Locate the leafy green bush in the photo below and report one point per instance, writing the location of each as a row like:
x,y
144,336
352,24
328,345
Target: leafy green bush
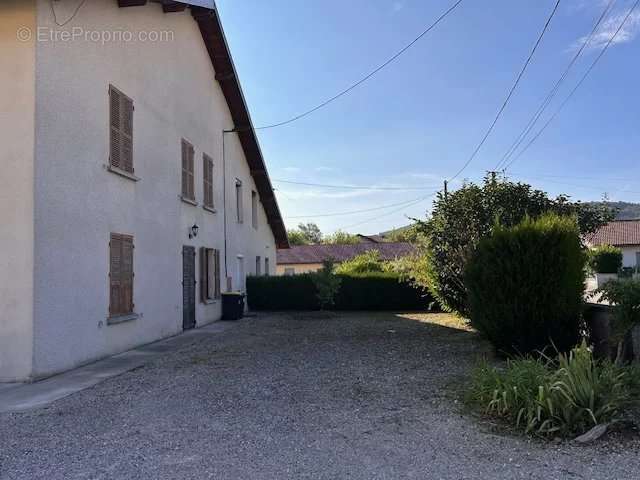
x,y
525,285
462,218
567,396
368,261
327,285
605,259
370,291
624,295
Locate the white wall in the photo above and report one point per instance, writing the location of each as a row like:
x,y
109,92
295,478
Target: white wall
x,y
629,258
17,78
79,202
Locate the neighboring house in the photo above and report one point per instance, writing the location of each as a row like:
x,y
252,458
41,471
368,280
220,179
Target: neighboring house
x,y
125,210
624,234
371,238
309,258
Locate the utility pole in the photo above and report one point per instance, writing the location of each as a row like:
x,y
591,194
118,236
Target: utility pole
x,y
446,189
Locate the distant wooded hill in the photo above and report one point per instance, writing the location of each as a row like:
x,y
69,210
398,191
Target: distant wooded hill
x,y
626,210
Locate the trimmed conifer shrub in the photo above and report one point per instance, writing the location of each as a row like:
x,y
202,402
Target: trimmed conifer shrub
x,y
526,283
605,259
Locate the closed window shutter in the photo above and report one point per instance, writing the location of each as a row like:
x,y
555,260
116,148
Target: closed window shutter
x,y
207,176
121,130
115,254
203,275
127,273
187,170
217,274
192,193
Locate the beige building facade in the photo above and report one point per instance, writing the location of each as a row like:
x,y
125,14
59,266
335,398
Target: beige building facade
x,y
115,235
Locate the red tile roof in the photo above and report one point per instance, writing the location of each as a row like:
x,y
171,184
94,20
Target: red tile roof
x,y
617,233
340,253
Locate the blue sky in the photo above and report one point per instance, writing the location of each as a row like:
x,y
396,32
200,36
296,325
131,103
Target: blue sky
x,y
416,122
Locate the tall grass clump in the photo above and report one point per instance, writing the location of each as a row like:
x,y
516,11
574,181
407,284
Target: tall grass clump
x,y
565,396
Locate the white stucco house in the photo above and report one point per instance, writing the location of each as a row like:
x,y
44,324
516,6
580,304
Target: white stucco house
x,y
624,234
125,208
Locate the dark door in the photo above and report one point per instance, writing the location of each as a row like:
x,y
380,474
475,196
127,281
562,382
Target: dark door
x,y
188,287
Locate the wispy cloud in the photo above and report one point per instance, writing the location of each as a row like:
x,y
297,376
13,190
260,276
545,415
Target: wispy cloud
x,y
608,29
397,6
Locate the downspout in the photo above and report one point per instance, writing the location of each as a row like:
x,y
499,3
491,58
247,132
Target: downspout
x,y
224,201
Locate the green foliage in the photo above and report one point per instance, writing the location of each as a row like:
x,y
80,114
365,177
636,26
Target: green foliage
x,y
469,214
526,283
327,284
380,291
605,259
624,295
410,234
277,293
567,396
341,238
368,261
370,291
306,234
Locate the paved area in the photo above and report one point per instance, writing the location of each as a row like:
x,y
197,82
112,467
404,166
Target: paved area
x,y
316,396
17,397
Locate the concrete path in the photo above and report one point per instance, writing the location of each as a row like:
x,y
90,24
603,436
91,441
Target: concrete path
x,y
19,397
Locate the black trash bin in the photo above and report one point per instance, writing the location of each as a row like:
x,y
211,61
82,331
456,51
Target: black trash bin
x,y
232,305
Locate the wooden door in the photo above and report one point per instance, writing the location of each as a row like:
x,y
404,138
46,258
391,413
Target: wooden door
x,y
188,287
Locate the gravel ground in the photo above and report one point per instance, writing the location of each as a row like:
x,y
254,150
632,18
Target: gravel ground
x,y
332,396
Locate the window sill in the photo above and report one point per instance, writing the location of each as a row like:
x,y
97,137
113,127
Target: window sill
x,y
122,173
190,201
210,301
209,209
116,319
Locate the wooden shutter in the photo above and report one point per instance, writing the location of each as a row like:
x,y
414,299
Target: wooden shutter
x,y
188,189
115,254
207,180
203,275
120,274
216,278
121,130
254,209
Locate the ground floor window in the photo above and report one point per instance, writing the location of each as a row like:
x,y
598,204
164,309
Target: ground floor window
x,y
258,266
120,275
209,274
266,266
289,271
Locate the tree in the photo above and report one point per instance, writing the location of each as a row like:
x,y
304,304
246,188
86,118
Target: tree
x,y
327,284
305,234
311,232
341,238
469,214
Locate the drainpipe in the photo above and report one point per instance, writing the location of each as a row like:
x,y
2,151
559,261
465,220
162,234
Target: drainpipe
x,y
224,202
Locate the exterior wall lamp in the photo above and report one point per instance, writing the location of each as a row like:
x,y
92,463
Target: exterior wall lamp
x,y
194,231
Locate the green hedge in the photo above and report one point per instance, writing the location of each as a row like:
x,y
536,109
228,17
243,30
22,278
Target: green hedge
x,y
605,259
370,291
526,285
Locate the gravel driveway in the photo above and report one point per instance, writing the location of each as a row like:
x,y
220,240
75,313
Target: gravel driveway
x,y
356,396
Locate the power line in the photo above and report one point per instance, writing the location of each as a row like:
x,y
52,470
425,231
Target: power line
x,y
411,204
570,184
352,212
511,91
556,88
348,187
584,77
366,77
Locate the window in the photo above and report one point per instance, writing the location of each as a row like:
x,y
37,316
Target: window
x,y
266,266
254,209
240,279
188,189
258,266
209,274
638,260
239,206
120,131
120,275
289,271
207,181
